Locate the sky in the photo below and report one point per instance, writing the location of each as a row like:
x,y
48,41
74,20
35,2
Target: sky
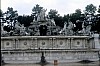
x,y
62,6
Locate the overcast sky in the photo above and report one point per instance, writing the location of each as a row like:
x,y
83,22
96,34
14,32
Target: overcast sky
x,y
62,6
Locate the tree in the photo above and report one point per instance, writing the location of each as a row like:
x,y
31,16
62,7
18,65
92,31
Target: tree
x,y
36,9
99,9
89,15
90,9
1,13
66,18
77,19
26,20
59,21
78,11
53,13
11,17
76,16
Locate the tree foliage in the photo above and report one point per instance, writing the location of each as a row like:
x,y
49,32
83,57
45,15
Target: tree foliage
x,y
59,21
35,10
66,18
76,16
26,20
99,9
10,18
7,28
90,9
1,13
53,13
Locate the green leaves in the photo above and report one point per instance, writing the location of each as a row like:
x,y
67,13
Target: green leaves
x,y
53,13
99,9
1,13
90,9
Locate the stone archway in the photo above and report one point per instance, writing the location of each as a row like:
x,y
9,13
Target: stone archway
x,y
43,30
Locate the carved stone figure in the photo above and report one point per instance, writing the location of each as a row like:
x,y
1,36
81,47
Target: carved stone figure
x,y
70,27
64,29
2,30
67,29
41,15
88,28
52,20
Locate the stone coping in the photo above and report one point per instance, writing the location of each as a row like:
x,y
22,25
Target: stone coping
x,y
11,37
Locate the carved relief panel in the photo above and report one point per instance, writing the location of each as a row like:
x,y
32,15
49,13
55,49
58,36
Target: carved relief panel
x,y
43,43
8,44
24,44
77,44
61,43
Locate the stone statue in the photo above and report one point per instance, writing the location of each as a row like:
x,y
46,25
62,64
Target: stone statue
x,y
88,28
70,27
41,15
52,20
22,30
64,29
83,31
2,30
17,28
67,29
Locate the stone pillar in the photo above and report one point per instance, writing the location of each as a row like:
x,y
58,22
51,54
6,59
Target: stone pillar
x,y
32,45
71,43
36,44
43,60
86,43
83,43
2,44
54,43
17,43
96,41
50,43
14,44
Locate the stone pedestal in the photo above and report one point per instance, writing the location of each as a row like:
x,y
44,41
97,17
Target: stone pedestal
x,y
43,61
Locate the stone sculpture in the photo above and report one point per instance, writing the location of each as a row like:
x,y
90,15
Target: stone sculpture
x,y
41,15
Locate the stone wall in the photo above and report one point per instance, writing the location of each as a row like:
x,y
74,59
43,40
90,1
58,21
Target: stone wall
x,y
28,49
46,42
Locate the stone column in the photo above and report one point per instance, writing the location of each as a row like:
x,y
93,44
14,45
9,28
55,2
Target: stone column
x,y
32,45
54,43
71,43
50,43
36,44
96,41
83,43
17,43
2,44
86,43
14,44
